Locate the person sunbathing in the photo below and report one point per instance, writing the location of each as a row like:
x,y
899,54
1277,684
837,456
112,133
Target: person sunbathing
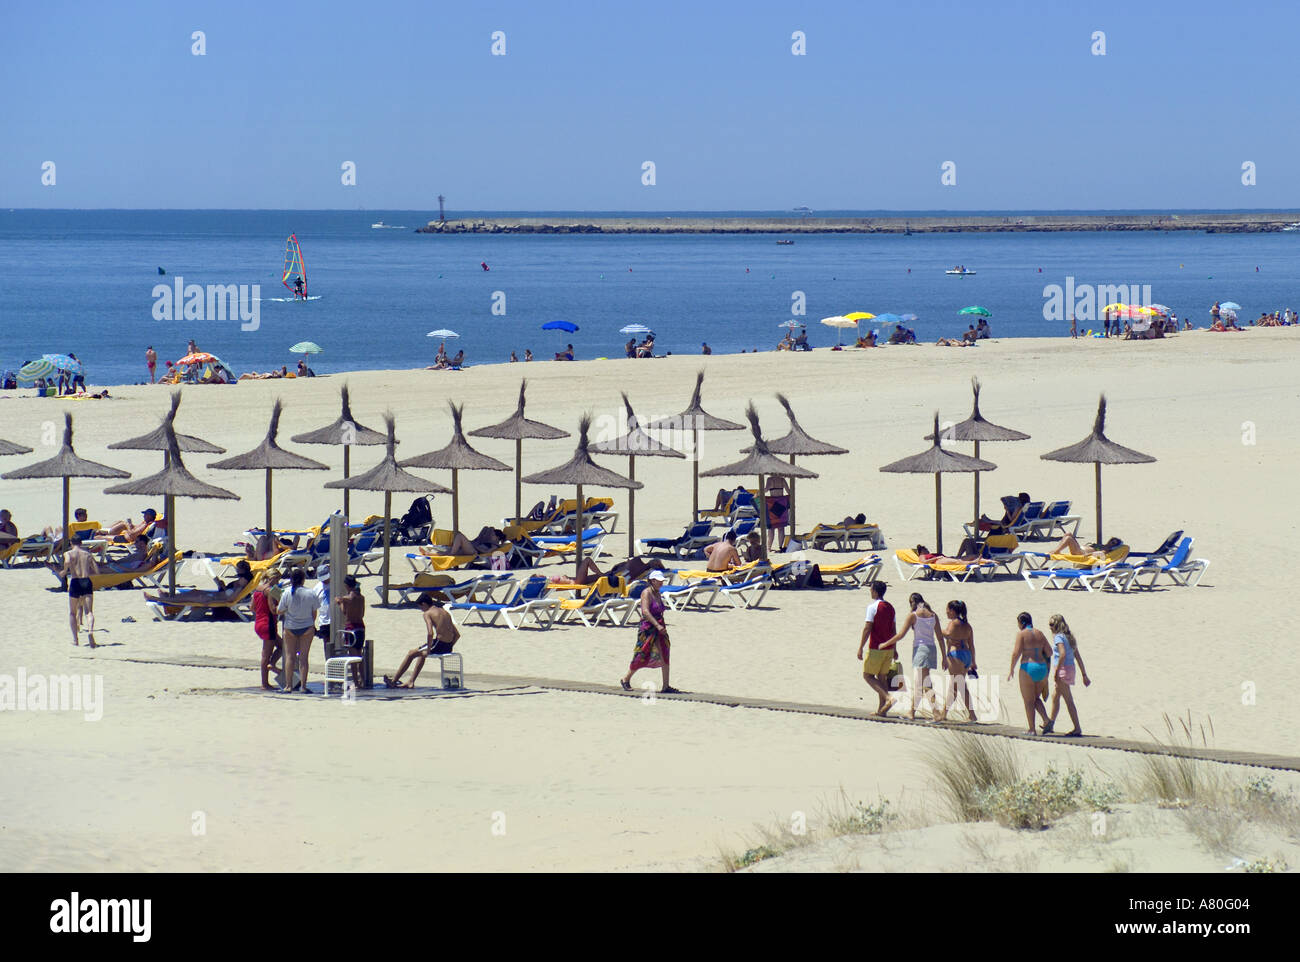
x,y
127,530
488,539
854,521
965,554
225,591
1015,506
1070,545
630,570
139,559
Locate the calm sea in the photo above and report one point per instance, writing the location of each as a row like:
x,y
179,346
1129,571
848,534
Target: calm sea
x,y
83,282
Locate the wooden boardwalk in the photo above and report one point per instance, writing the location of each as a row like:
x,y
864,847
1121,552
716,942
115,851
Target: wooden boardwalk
x,y
487,684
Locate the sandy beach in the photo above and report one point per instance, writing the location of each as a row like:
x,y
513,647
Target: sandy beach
x,y
194,768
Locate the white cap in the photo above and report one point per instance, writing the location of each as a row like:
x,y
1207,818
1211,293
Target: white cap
x,y
323,573
657,575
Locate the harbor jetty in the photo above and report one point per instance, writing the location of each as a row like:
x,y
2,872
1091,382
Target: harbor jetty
x,y
1231,222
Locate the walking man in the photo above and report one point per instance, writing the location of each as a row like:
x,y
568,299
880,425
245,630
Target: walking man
x,y
876,635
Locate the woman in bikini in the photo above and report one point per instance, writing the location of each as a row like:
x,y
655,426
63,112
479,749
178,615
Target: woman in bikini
x,y
1065,655
959,658
1034,654
923,622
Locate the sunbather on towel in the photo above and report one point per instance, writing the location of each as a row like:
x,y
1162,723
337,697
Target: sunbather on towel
x,y
226,590
138,560
965,555
631,569
1070,545
441,635
126,530
488,538
722,554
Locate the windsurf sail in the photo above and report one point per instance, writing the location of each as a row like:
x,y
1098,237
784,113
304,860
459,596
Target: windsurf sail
x,y
294,267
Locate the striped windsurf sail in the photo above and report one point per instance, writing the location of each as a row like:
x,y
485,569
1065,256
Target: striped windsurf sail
x,y
294,267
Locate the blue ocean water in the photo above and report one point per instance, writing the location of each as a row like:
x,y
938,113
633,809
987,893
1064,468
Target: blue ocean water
x,y
83,281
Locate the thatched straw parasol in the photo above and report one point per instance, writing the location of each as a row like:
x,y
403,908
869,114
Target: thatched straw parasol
x,y
695,419
65,465
171,482
762,462
797,442
634,442
935,460
387,477
1098,449
269,456
458,456
345,431
580,470
976,429
156,440
518,428
8,447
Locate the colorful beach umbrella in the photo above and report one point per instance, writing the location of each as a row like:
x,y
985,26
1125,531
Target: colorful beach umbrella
x,y
567,326
860,316
200,357
36,369
791,324
976,309
65,362
306,347
1226,306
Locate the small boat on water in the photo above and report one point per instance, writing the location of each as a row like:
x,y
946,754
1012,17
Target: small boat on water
x,y
1291,227
960,272
378,225
785,242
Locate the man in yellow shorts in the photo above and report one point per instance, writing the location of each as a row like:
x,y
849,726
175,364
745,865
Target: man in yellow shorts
x,y
876,639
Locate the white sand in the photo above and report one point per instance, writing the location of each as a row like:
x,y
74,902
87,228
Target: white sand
x,y
594,782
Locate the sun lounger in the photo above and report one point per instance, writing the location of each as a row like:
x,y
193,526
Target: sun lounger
x,y
910,565
1055,521
695,536
1161,553
35,548
734,575
741,504
177,608
747,594
698,594
618,610
561,545
150,577
589,608
436,584
530,600
1181,568
1116,576
862,571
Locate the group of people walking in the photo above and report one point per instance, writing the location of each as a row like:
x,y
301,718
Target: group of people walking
x,y
952,646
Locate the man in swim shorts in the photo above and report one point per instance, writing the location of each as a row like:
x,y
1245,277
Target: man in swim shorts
x,y
78,566
876,633
441,635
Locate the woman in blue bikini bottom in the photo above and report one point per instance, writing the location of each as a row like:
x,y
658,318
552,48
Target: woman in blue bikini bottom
x,y
1033,653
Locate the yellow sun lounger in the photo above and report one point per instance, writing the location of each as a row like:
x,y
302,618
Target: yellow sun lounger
x,y
176,608
1087,561
149,577
911,565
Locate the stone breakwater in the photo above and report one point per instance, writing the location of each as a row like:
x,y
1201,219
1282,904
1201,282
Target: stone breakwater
x,y
1223,223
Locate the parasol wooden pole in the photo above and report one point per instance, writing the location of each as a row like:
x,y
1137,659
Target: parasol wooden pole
x,y
347,473
1097,466
388,511
695,470
519,460
578,529
793,529
938,513
455,501
762,514
976,515
169,509
631,507
65,542
268,504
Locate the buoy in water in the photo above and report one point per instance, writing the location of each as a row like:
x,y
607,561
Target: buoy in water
x,y
161,271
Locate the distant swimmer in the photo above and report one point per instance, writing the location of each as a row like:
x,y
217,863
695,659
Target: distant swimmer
x,y
161,271
483,264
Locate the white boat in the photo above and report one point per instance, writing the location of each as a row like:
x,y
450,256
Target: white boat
x,y
961,273
380,224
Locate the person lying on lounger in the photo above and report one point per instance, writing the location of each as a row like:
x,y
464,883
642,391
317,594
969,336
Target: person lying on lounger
x,y
139,559
1070,545
1015,506
488,539
968,552
630,570
126,530
226,591
441,635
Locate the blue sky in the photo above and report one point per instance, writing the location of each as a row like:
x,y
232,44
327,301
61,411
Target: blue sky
x,y
709,91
